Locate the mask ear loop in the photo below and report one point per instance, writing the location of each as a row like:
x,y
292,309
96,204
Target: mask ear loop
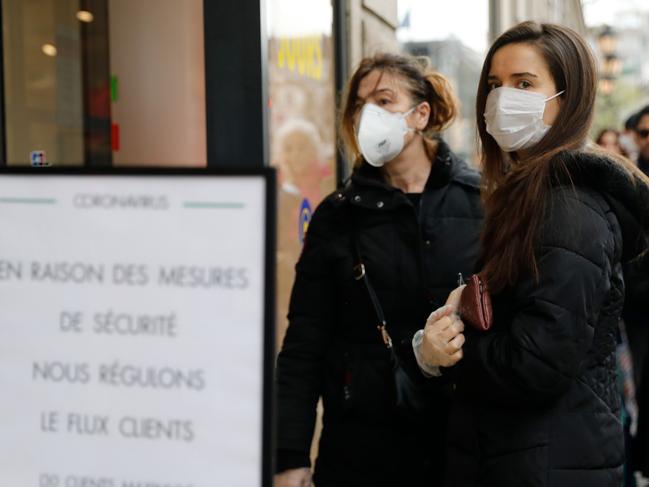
x,y
357,125
405,114
554,96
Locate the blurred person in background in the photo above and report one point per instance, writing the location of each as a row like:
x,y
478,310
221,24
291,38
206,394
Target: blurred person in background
x,y
412,209
631,352
609,139
637,316
637,322
642,139
627,137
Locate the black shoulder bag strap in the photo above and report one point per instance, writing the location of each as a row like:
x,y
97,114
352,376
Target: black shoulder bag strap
x,y
412,399
360,274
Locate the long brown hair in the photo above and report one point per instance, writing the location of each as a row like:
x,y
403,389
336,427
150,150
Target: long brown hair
x,y
423,84
515,190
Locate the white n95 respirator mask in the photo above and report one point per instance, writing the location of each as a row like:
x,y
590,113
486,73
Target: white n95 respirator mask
x,y
514,117
381,134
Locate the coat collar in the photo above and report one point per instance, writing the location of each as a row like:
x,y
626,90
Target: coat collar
x,y
627,194
643,164
442,171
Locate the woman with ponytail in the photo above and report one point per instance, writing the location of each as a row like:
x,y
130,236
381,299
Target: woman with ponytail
x,y
537,402
411,216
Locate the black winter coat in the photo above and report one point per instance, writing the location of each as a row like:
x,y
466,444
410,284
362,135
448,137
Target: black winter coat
x,y
636,318
537,401
332,347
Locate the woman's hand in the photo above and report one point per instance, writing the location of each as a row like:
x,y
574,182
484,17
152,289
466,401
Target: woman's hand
x,y
453,299
443,335
296,477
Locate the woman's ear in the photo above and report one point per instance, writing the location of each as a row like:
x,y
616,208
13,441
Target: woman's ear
x,y
421,115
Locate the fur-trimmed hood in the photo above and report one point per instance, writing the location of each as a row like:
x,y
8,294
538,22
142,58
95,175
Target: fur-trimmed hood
x,y
627,194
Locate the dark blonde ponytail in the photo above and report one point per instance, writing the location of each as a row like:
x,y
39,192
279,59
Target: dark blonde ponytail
x,y
442,101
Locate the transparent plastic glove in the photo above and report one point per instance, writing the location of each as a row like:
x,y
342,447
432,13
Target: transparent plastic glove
x,y
440,343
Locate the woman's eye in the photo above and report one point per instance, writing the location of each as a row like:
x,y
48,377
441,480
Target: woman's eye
x,y
384,101
492,86
524,84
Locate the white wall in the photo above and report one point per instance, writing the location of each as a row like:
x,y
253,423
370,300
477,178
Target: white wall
x,y
157,53
511,12
372,26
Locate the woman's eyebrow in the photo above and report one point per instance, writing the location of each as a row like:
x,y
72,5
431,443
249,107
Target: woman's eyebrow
x,y
377,92
523,75
387,91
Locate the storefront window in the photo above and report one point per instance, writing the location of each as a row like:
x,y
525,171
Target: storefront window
x,y
104,82
43,80
302,124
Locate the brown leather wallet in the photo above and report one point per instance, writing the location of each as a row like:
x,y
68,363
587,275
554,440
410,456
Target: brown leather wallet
x,y
475,304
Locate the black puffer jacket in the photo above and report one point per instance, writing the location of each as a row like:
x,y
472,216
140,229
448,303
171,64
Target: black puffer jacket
x,y
636,319
537,401
333,349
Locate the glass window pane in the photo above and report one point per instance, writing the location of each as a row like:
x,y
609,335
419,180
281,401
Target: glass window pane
x,y
301,124
43,85
105,82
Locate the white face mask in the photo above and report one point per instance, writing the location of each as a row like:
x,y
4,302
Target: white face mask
x,y
628,144
515,117
381,134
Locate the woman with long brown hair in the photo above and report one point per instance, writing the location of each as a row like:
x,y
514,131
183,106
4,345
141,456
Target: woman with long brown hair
x,y
537,401
407,222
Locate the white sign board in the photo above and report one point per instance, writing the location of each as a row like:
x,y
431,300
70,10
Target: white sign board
x,y
133,330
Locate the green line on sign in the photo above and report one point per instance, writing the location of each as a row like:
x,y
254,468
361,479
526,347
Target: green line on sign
x,y
29,201
213,205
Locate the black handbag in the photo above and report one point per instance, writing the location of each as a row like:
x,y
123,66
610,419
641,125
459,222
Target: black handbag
x,y
413,398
